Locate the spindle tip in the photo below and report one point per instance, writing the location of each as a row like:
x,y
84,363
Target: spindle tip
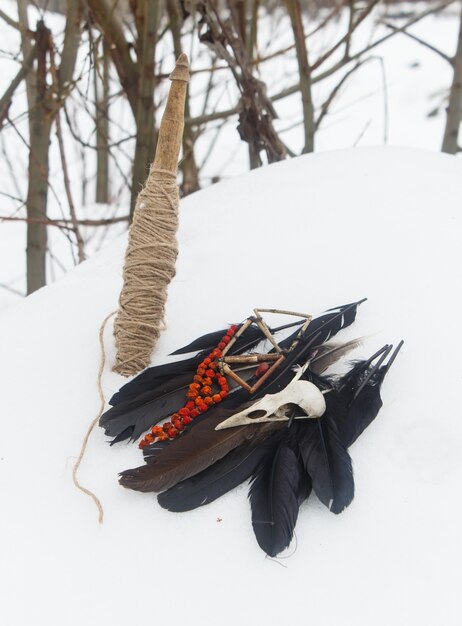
x,y
181,71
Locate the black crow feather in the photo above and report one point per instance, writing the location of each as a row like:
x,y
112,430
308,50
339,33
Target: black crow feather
x,y
148,409
328,463
189,455
278,486
216,480
205,342
132,418
152,377
319,330
250,337
355,400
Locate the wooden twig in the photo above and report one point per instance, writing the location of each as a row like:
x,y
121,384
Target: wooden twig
x,y
420,41
66,224
266,331
248,322
67,187
5,100
251,358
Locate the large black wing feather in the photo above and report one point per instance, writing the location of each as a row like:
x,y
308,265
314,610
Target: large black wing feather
x,y
190,454
213,482
278,486
328,463
355,399
148,409
151,378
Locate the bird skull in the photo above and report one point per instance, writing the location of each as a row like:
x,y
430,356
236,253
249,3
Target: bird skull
x,y
273,406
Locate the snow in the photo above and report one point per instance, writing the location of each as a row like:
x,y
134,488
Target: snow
x,y
308,234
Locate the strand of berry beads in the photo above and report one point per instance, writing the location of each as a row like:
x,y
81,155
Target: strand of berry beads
x,y
200,395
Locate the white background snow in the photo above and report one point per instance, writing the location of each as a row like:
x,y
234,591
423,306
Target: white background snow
x,y
306,234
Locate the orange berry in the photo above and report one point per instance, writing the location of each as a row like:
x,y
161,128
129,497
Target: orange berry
x,y
208,400
216,398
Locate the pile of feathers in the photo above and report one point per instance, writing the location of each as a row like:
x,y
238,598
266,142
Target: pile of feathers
x,y
286,456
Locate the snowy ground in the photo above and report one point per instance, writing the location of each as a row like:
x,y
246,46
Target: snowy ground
x,y
387,101
381,223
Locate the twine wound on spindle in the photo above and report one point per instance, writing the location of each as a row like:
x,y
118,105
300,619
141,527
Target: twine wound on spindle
x,y
152,248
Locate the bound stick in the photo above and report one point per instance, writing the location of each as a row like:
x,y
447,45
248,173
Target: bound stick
x,y
152,248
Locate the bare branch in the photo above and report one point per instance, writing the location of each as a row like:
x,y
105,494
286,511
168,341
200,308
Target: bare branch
x,y
67,186
5,100
16,25
420,41
217,115
65,224
118,47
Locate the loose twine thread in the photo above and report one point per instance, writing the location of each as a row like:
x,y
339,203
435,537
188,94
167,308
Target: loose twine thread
x,y
83,448
149,267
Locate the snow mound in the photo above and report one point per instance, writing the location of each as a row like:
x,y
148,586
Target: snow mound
x,y
306,234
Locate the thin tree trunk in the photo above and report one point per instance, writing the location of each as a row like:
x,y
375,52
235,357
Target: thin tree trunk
x,y
454,111
240,23
49,99
37,193
304,71
188,164
102,127
148,20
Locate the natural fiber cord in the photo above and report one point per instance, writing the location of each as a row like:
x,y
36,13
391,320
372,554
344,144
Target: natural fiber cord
x,y
149,267
83,448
